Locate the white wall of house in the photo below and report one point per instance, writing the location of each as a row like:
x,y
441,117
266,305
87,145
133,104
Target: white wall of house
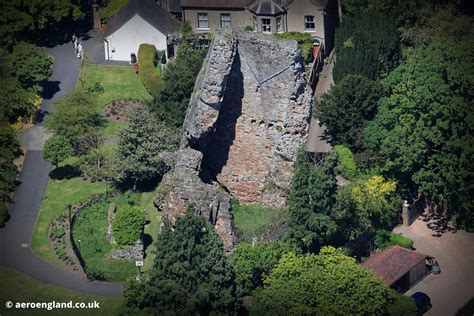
x,y
128,38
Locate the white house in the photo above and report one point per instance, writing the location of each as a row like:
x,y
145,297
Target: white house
x,y
140,21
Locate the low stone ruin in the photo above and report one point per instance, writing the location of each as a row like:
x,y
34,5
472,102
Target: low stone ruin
x,y
247,118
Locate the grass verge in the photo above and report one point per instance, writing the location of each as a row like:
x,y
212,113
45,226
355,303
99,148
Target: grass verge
x,y
17,287
58,195
119,82
255,220
152,228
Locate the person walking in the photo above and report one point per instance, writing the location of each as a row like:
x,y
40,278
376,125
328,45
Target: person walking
x,y
80,51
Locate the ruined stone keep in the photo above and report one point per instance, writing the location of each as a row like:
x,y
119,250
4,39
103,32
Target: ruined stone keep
x,y
247,118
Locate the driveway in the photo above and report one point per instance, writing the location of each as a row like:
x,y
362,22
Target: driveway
x,y
454,251
318,138
15,251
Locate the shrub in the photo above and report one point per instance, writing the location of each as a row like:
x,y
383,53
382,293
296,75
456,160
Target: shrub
x,y
128,225
396,239
147,61
346,165
4,216
57,232
384,238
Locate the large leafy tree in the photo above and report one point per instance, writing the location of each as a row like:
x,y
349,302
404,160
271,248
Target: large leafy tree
x,y
74,116
366,44
21,18
57,149
179,78
252,262
329,283
15,101
9,149
311,200
140,144
348,107
190,276
424,127
29,63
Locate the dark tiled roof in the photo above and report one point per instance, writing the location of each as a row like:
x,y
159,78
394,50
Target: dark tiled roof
x,y
149,11
266,7
238,4
393,263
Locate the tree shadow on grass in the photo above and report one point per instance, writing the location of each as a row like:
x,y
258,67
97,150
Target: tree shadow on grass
x,y
65,172
147,241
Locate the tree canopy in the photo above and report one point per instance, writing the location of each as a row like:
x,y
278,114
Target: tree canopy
x,y
74,115
19,18
424,126
367,44
329,283
57,149
140,144
312,197
253,262
190,276
179,79
348,107
29,63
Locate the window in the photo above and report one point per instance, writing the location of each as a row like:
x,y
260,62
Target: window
x,y
225,19
309,24
266,25
255,24
203,21
278,24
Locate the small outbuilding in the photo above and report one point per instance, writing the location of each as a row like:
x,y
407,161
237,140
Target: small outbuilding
x,y
399,268
140,21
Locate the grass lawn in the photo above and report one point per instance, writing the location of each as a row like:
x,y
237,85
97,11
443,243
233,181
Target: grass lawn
x,y
153,219
119,82
91,229
255,220
58,195
17,287
112,128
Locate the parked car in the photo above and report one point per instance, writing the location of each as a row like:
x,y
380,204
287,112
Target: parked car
x,y
422,302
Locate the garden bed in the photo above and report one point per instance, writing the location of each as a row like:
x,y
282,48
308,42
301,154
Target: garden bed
x,y
90,236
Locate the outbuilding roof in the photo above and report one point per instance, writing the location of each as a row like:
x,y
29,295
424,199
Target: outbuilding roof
x,y
235,4
149,11
393,263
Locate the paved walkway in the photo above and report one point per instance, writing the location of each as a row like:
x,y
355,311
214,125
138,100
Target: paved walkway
x,y
454,251
15,251
318,139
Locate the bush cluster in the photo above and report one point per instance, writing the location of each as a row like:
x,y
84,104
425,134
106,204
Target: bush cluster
x,y
147,61
128,225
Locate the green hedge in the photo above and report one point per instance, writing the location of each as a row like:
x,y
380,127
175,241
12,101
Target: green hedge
x,y
128,225
384,238
404,242
147,61
346,165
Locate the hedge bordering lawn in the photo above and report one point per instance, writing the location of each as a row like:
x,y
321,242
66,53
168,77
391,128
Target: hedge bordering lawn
x,y
147,61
